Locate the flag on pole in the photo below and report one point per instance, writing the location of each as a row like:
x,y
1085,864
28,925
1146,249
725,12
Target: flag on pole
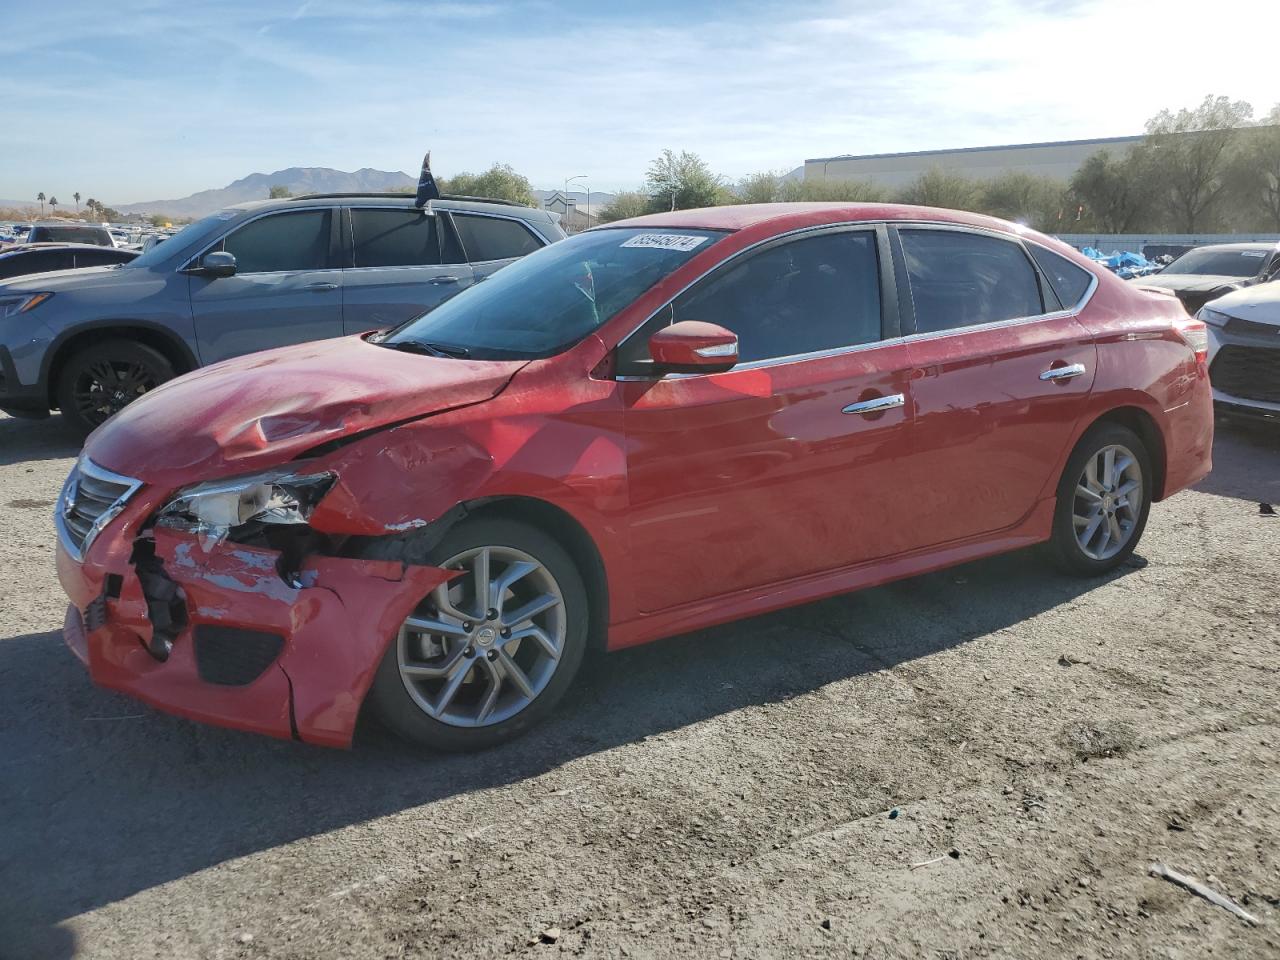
x,y
427,189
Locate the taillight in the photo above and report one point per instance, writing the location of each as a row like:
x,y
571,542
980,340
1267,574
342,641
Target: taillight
x,y
1196,335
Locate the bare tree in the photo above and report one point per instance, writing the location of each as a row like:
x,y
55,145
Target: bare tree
x,y
1190,152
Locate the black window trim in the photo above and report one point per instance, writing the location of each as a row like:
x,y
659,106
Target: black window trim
x,y
890,322
349,236
907,307
457,234
335,254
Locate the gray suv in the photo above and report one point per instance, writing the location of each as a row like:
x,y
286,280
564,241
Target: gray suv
x,y
256,275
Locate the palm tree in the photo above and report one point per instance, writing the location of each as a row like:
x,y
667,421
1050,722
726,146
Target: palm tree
x,y
53,206
92,204
76,195
40,197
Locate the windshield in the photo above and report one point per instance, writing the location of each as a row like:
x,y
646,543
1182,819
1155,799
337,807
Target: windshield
x,y
192,232
551,299
1208,262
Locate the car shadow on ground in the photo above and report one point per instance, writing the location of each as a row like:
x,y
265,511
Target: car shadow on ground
x,y
22,441
104,797
1246,461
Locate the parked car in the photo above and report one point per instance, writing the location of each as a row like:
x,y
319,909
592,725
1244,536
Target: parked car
x,y
62,232
253,276
1244,351
646,429
24,259
1206,273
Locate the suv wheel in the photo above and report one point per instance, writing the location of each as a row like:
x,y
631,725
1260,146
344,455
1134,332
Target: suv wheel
x,y
1104,498
101,380
489,654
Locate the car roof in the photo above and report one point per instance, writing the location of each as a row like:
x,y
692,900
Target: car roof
x,y
1231,247
786,216
77,224
477,205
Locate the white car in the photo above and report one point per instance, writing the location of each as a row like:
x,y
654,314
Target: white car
x,y
1244,350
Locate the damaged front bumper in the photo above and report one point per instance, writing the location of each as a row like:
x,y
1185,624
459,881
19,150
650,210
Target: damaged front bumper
x,y
246,647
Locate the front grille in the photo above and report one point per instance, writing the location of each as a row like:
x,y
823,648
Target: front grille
x,y
1236,325
233,656
91,498
1251,373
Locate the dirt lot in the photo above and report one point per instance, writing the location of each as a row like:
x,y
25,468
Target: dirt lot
x,y
758,790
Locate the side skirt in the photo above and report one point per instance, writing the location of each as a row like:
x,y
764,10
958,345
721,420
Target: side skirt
x,y
1036,528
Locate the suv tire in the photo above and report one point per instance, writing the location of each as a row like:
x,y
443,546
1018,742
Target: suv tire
x,y
101,380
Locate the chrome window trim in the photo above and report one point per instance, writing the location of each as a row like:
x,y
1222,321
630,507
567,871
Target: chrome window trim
x,y
857,348
193,261
67,497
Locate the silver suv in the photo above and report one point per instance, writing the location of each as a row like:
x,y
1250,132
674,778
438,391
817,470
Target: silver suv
x,y
256,275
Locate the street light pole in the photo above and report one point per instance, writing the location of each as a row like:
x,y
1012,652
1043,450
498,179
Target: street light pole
x,y
567,180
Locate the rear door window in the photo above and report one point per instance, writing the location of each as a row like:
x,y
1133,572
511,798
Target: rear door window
x,y
961,279
494,238
281,242
394,238
1068,280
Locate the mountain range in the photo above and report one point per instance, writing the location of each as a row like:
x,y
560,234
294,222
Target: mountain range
x,y
256,186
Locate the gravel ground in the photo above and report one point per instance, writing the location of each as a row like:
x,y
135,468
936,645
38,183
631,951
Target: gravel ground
x,y
757,790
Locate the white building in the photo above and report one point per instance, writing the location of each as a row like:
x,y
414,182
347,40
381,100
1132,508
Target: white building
x,y
1058,160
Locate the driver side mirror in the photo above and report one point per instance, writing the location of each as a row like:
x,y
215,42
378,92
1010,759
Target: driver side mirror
x,y
692,346
219,263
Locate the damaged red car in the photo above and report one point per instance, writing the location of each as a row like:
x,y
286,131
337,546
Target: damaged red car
x,y
649,428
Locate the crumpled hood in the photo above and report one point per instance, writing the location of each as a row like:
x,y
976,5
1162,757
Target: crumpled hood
x,y
263,409
1188,282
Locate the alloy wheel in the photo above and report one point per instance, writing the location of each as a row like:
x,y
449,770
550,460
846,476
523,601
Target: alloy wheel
x,y
1108,502
483,646
105,387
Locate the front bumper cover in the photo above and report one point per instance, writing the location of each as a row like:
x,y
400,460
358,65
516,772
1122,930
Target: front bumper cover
x,y
335,621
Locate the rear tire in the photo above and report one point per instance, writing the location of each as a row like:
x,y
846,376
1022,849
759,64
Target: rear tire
x,y
1097,522
497,672
99,381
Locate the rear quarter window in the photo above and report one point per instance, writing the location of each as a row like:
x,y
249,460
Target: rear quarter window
x,y
494,238
1069,281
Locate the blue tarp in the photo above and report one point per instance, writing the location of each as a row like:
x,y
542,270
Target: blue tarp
x,y
1124,264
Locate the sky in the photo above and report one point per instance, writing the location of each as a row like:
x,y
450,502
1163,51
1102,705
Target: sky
x,y
132,100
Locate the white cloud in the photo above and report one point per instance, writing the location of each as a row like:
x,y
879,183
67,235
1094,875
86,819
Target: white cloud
x,y
213,96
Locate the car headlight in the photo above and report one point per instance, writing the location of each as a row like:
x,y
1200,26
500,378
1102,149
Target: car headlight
x,y
14,304
267,498
1215,318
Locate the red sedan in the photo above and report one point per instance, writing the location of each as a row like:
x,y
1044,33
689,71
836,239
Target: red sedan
x,y
652,427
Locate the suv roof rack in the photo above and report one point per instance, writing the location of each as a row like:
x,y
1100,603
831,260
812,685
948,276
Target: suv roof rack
x,y
383,196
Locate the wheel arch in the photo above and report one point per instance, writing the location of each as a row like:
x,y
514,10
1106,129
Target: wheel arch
x,y
161,339
566,530
1148,430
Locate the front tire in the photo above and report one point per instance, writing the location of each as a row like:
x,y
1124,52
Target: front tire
x,y
488,655
1104,498
101,380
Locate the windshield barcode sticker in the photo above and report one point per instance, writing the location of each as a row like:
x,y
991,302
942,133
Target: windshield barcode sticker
x,y
665,241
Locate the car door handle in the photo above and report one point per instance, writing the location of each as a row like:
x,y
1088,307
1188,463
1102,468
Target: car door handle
x,y
322,285
876,405
441,280
1063,373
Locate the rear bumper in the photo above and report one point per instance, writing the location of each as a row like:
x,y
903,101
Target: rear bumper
x,y
332,629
